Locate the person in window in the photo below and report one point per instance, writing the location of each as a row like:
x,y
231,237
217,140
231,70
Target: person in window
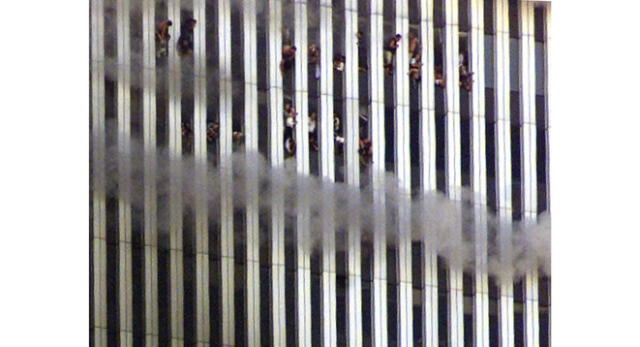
x,y
162,38
439,77
238,137
365,150
187,135
288,58
314,59
414,67
289,120
364,125
414,44
390,51
212,131
290,146
339,139
466,77
185,42
362,51
337,127
313,133
338,62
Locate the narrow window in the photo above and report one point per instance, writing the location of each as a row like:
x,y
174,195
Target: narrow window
x,y
439,90
443,303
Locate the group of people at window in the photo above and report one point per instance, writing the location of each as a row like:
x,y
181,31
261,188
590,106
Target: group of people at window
x,y
390,47
290,120
185,46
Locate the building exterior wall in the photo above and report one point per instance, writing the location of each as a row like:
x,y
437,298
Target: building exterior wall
x,y
250,277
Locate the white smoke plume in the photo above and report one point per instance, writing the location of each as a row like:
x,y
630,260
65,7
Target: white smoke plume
x,y
447,226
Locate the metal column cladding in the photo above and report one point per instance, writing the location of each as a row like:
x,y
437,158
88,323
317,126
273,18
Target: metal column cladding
x,y
503,170
428,172
176,276
276,156
303,249
225,166
200,154
252,289
125,281
403,173
99,227
453,164
352,166
150,167
376,119
548,45
528,160
479,178
328,280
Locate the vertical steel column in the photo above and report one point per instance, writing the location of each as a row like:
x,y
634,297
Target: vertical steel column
x,y
176,272
503,171
453,164
276,128
326,91
528,160
479,178
428,172
548,75
98,175
200,154
250,48
301,87
403,173
329,304
252,290
150,167
125,281
352,165
376,75
303,260
226,180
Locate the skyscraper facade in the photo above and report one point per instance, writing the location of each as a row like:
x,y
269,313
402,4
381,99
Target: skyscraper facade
x,y
320,235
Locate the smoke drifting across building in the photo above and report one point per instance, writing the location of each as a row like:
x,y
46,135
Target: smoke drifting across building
x,y
438,234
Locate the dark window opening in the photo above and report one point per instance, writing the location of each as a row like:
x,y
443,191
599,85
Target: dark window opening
x,y
465,155
389,137
265,304
438,13
440,152
112,294
464,20
514,18
518,329
539,26
490,165
392,295
414,150
239,301
164,327
290,304
514,64
189,270
443,303
489,61
516,156
138,297
542,169
489,23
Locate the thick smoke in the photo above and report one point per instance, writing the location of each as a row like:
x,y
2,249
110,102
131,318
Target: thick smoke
x,y
448,227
